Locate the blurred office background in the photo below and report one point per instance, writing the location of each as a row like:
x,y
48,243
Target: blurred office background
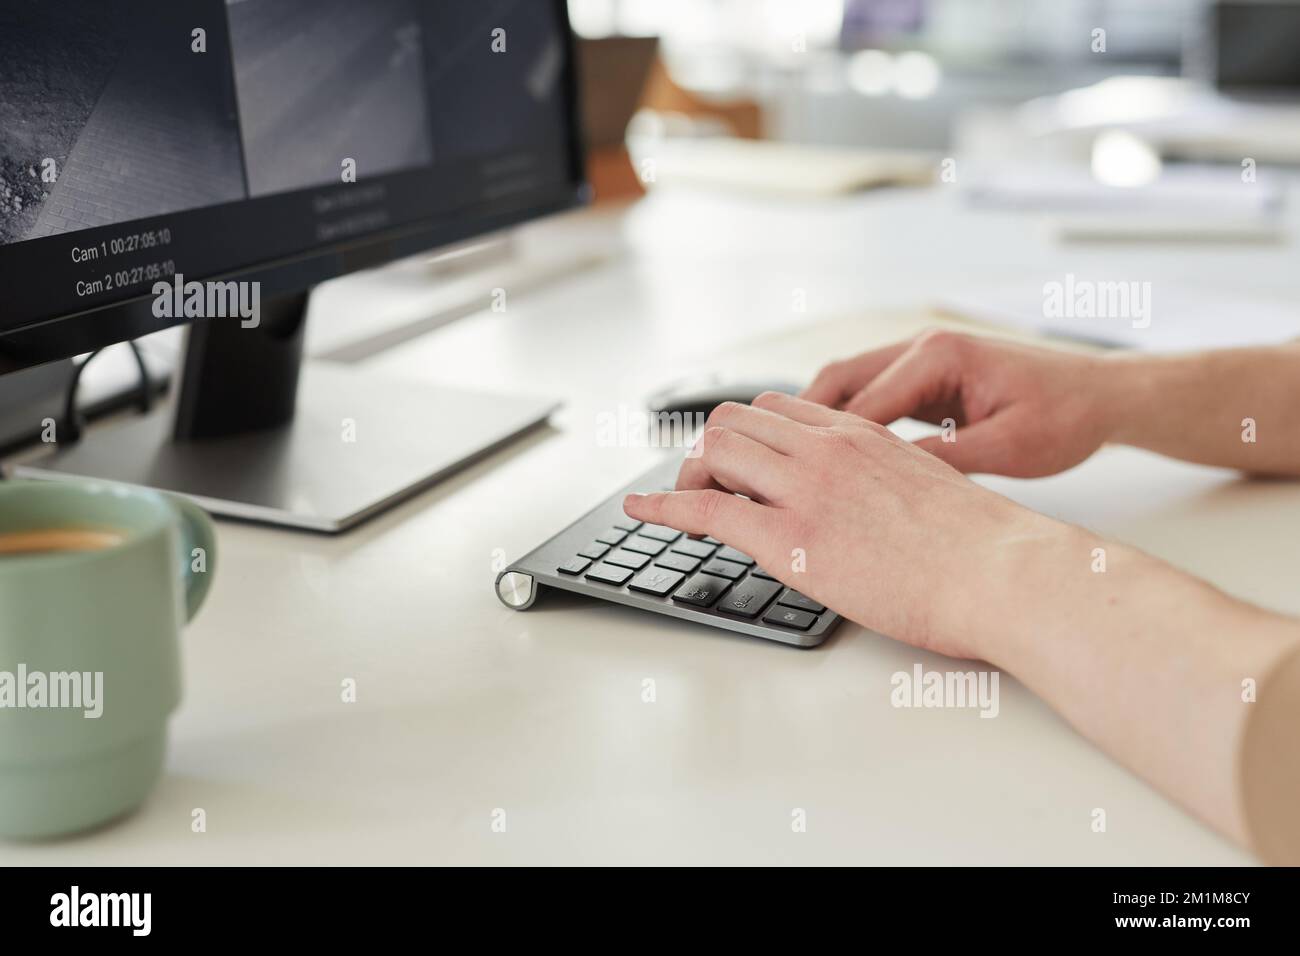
x,y
1193,79
892,72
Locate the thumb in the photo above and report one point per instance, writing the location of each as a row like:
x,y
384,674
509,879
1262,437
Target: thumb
x,y
921,376
982,447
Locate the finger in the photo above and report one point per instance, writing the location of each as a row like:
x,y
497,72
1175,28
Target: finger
x,y
800,410
921,377
743,524
838,381
810,413
762,424
777,432
738,463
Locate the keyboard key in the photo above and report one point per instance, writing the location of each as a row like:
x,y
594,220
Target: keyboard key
x,y
760,573
627,524
595,550
750,597
609,574
660,533
792,598
644,545
789,617
724,569
702,590
696,549
731,554
713,541
678,562
574,566
627,559
658,581
611,536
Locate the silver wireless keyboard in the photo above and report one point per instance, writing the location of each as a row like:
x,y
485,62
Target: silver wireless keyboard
x,y
608,556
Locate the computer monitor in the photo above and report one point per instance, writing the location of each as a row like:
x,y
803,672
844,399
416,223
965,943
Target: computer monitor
x,y
210,162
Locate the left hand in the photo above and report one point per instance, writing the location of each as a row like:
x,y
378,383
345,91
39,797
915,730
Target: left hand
x,y
890,536
1020,410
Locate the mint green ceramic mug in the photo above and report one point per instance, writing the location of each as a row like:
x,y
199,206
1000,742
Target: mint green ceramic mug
x,y
96,582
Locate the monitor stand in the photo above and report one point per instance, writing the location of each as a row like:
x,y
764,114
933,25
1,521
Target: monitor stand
x,y
249,437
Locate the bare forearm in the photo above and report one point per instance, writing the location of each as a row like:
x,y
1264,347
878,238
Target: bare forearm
x,y
1166,674
1234,408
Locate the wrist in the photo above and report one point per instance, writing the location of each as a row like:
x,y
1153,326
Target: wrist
x,y
1024,562
1144,399
1126,387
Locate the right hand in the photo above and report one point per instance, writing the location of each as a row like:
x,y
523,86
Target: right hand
x,y
1017,410
854,517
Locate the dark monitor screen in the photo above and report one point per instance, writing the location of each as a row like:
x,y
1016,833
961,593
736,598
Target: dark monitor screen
x,y
1257,45
290,140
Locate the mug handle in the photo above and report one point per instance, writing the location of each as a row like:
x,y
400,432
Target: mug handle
x,y
197,531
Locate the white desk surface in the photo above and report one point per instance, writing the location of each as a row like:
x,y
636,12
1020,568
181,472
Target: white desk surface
x,y
465,707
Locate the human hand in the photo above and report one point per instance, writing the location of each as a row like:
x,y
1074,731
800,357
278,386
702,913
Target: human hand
x,y
846,512
1016,410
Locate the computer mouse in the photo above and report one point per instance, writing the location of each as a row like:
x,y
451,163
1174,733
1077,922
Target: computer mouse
x,y
701,396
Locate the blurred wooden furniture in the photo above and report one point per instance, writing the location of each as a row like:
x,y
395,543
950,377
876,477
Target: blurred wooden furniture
x,y
743,116
620,75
